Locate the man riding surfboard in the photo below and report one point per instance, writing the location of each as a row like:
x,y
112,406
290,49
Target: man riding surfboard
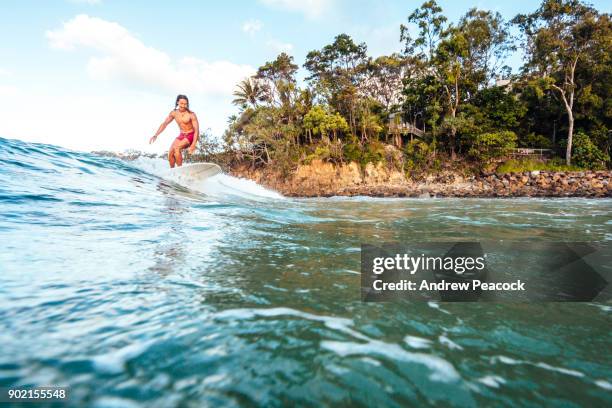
x,y
190,130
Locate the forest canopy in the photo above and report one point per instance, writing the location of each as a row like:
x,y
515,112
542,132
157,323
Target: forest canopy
x,y
445,96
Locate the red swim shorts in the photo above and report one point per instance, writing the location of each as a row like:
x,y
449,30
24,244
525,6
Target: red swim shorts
x,y
188,136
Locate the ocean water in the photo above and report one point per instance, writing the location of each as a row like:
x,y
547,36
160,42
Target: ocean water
x,y
133,289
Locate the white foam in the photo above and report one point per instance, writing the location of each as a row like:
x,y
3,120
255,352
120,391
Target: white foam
x,y
371,361
435,305
511,361
441,370
449,343
560,370
114,362
492,381
336,369
115,402
244,314
219,186
603,308
224,184
604,384
417,342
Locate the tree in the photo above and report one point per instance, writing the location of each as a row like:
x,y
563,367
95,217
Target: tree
x,y
487,146
441,83
487,37
422,88
454,62
559,36
249,92
431,25
498,109
319,121
464,60
278,80
384,80
587,155
337,72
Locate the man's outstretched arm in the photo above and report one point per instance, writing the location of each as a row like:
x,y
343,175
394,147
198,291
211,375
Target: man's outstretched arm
x,y
162,127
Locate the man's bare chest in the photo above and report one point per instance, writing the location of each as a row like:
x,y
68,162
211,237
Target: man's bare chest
x,y
182,118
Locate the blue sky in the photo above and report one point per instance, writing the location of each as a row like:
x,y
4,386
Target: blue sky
x,y
103,74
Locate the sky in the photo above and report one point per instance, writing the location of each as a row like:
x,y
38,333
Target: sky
x,y
103,74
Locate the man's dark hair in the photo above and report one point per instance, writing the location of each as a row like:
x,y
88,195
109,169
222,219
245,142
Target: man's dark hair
x,y
178,98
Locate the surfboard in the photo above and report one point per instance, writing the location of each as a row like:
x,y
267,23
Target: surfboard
x,y
197,170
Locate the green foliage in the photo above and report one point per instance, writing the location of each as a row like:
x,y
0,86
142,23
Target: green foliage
x,y
331,152
586,154
371,125
569,51
487,146
249,93
600,135
208,149
337,72
282,68
450,64
374,153
314,120
321,122
385,75
442,83
320,153
519,166
499,109
466,124
418,154
285,158
535,141
431,23
353,151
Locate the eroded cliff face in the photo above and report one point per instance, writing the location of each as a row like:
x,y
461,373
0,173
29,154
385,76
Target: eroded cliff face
x,y
322,179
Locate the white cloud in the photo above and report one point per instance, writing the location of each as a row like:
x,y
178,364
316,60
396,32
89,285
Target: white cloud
x,y
252,26
8,90
310,8
125,58
279,46
383,40
108,119
107,114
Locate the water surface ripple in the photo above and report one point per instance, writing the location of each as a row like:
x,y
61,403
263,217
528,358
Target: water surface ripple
x,y
135,290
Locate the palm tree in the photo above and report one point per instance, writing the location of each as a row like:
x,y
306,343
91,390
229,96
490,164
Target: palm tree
x,y
249,92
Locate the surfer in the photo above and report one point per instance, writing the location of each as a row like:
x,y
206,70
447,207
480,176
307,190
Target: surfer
x,y
190,130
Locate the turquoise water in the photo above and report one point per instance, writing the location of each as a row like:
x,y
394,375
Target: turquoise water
x,y
133,288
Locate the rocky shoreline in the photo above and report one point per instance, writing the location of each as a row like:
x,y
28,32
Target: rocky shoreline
x,y
320,179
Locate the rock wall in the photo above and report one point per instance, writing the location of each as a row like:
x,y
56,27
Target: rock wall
x,y
326,179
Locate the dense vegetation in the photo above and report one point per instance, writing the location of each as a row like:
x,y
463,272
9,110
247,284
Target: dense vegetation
x,y
446,97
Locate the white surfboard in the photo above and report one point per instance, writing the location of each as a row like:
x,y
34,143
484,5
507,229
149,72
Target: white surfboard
x,y
197,170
